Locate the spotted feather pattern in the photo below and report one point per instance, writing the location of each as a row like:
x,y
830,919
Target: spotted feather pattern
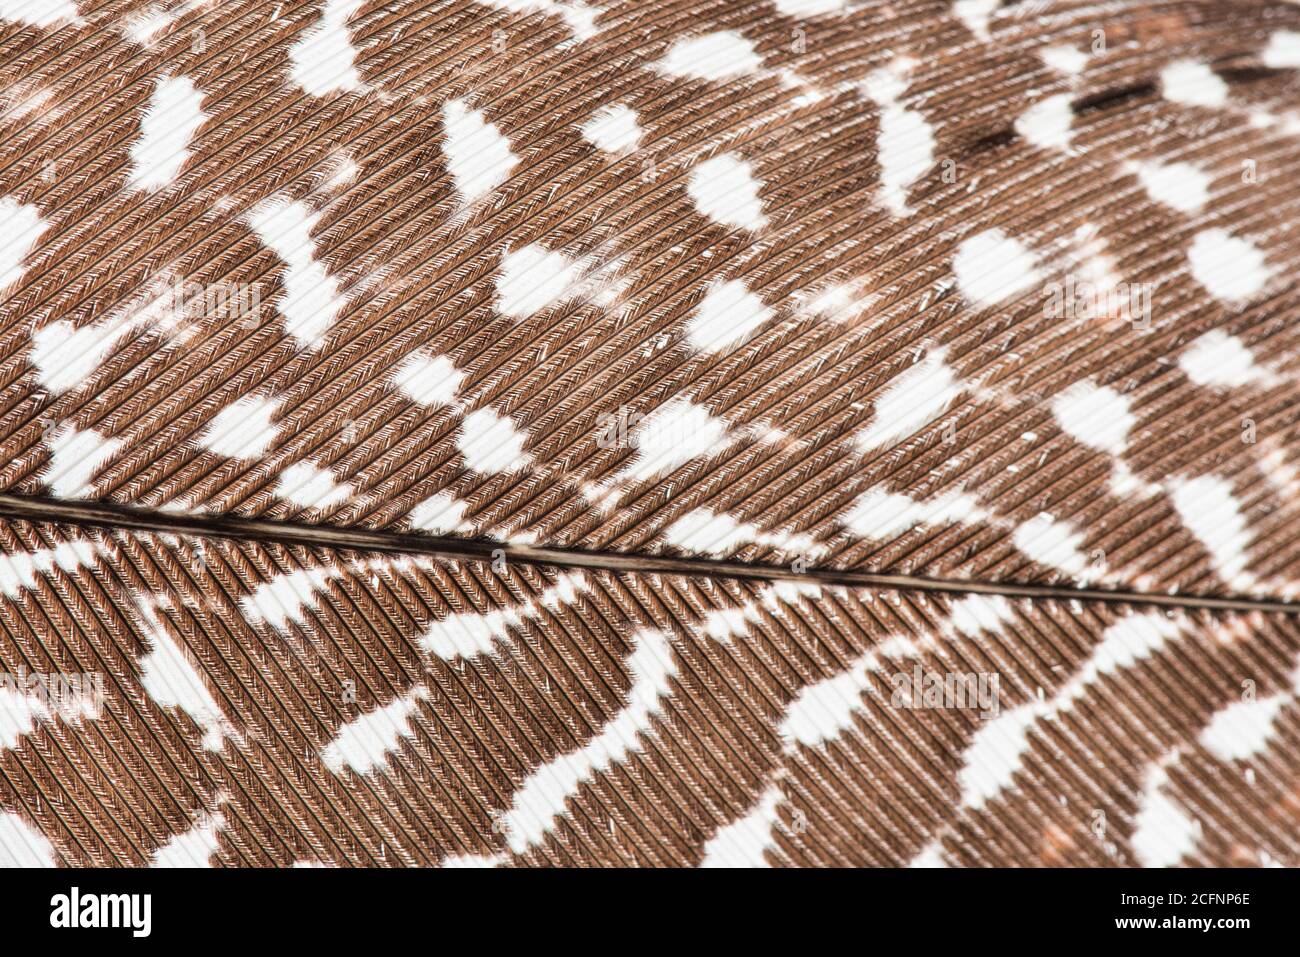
x,y
995,293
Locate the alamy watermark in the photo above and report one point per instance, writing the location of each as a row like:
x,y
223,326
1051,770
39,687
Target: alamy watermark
x,y
626,429
75,909
214,300
60,693
919,688
1084,299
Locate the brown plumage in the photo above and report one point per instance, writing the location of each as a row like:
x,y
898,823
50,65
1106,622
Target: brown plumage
x,y
733,301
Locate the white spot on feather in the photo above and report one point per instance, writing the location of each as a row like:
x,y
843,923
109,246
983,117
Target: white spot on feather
x,y
728,314
837,301
580,18
308,486
613,129
824,710
467,634
997,750
544,794
478,155
242,430
323,61
1193,84
75,457
1064,59
1124,482
1230,268
787,593
1125,643
1162,834
1243,728
880,514
671,436
440,513
1288,123
723,624
288,597
976,614
27,99
712,56
1047,124
1055,543
428,379
194,847
20,571
976,14
1180,186
911,401
170,677
142,27
929,856
1283,50
1218,359
490,443
173,117
809,8
20,713
21,844
905,144
470,633
66,356
311,300
1094,415
702,530
742,842
1210,510
20,227
992,267
364,743
724,189
40,13
995,753
532,278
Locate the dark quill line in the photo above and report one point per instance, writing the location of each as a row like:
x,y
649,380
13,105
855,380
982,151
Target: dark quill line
x,y
109,515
